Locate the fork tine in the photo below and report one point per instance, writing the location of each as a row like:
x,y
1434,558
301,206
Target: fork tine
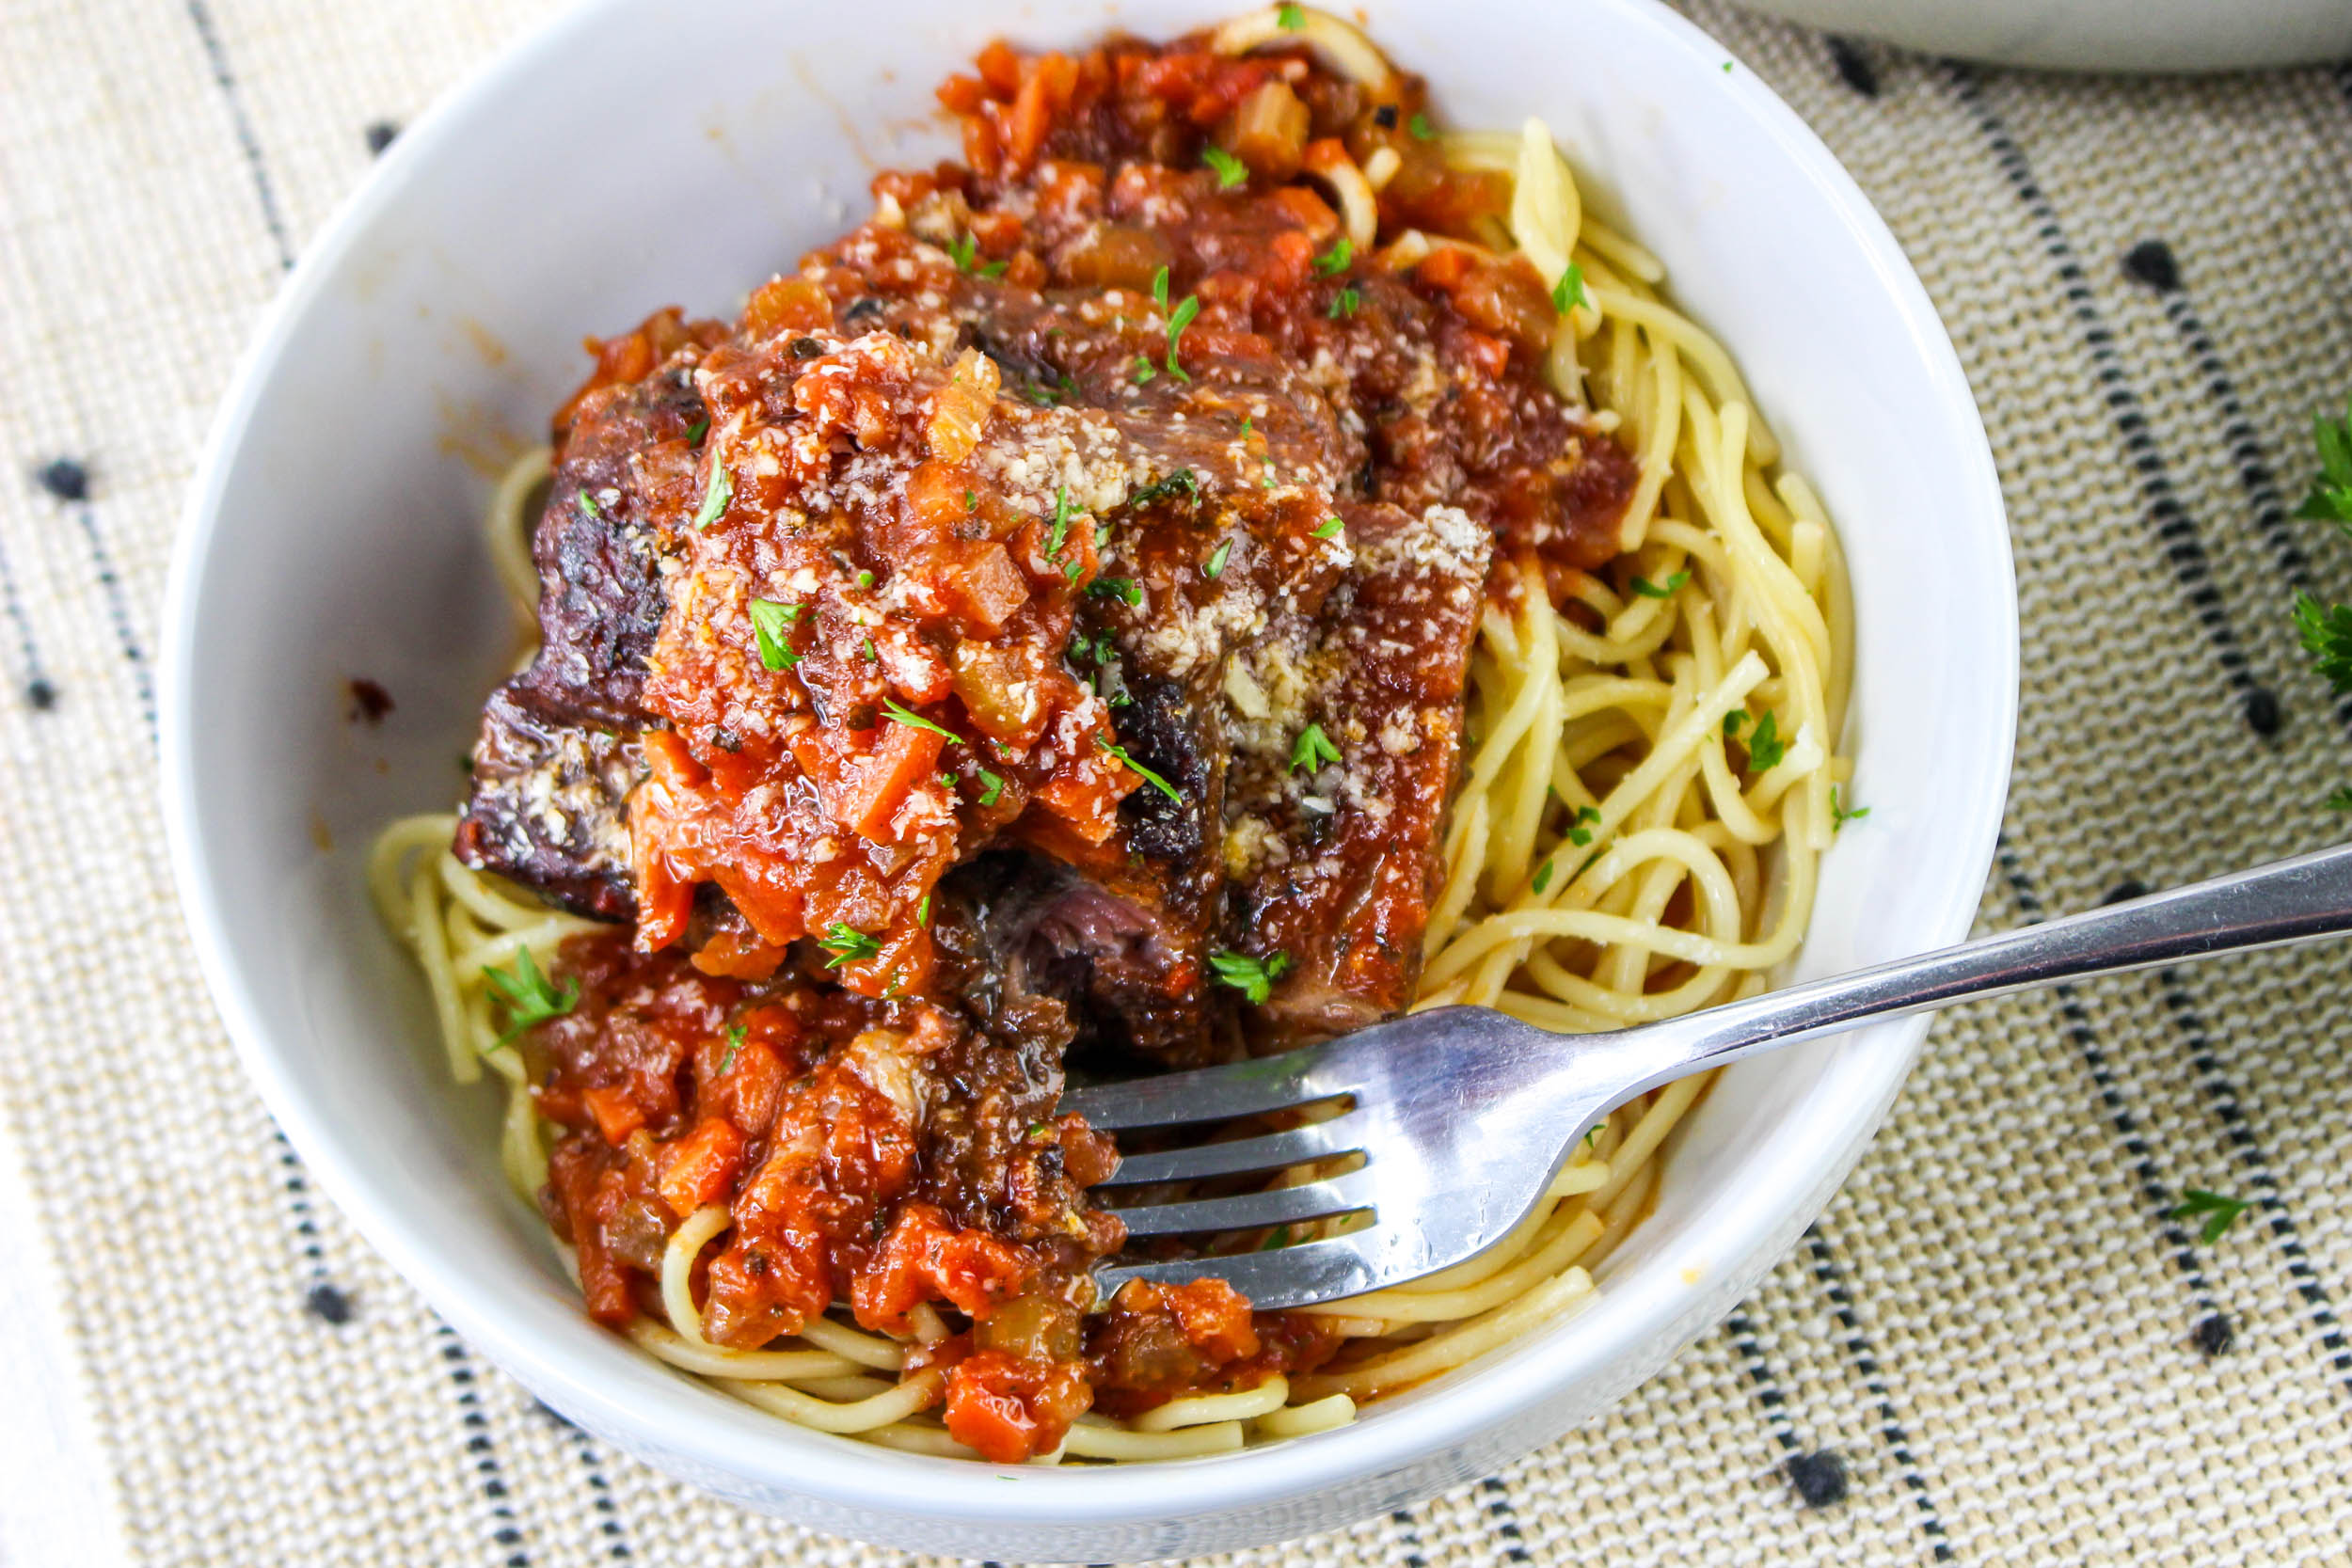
x,y
1314,1200
1342,1134
1210,1094
1326,1270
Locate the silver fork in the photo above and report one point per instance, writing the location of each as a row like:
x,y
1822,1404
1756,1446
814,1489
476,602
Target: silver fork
x,y
1464,1117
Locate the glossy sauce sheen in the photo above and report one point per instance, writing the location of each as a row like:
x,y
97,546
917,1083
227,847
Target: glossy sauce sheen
x,y
880,605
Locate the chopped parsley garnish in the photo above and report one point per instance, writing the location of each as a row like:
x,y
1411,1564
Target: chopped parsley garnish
x,y
695,432
2219,1213
996,787
1061,522
1280,1236
1134,766
1290,18
1418,126
1159,288
1328,528
848,945
962,251
1334,261
971,500
1214,565
1182,317
1543,876
1117,588
735,1043
866,580
1579,828
914,720
872,653
1765,746
769,621
588,504
1253,977
1840,815
1649,590
1345,303
530,999
1568,293
2326,632
1732,721
1145,369
715,498
1313,750
1230,172
1181,480
923,913
2339,799
2331,498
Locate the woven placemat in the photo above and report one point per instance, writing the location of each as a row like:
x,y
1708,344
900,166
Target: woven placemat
x,y
1995,1347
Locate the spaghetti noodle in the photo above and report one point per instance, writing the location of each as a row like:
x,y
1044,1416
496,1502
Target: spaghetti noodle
x,y
1649,777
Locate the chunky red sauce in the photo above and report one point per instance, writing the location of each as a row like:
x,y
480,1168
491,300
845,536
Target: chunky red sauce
x,y
931,661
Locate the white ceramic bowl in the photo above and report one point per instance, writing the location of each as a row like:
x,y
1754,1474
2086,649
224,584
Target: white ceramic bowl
x,y
624,157
2096,35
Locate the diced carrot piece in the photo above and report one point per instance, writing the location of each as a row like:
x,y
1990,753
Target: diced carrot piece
x,y
902,756
617,1115
701,1166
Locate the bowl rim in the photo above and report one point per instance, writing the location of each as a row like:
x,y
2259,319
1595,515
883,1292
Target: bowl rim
x,y
1749,1232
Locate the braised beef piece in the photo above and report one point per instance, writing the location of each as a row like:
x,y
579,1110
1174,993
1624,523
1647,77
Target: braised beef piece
x,y
556,756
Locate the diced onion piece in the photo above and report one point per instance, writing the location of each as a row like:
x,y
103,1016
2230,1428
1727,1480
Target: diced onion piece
x,y
959,409
1267,130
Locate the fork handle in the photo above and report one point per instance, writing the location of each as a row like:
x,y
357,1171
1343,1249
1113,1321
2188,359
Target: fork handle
x,y
2286,901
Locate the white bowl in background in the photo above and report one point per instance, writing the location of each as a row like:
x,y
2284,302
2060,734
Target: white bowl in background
x,y
622,158
2095,35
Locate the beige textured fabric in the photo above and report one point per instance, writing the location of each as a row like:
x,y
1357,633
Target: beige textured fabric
x,y
1994,1330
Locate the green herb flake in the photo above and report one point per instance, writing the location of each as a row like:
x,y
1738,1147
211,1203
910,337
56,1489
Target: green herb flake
x,y
770,620
1253,977
996,786
1840,815
2331,496
1568,293
1765,746
715,498
2219,1213
1159,288
1214,565
1543,877
1649,590
914,720
1334,261
1313,750
1182,317
529,998
1291,19
848,945
873,653
726,1057
1117,588
1344,302
1732,721
1134,766
1418,125
971,500
866,580
1145,369
923,913
1230,172
1580,828
1279,1237
1061,522
1181,481
1328,528
588,504
695,432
